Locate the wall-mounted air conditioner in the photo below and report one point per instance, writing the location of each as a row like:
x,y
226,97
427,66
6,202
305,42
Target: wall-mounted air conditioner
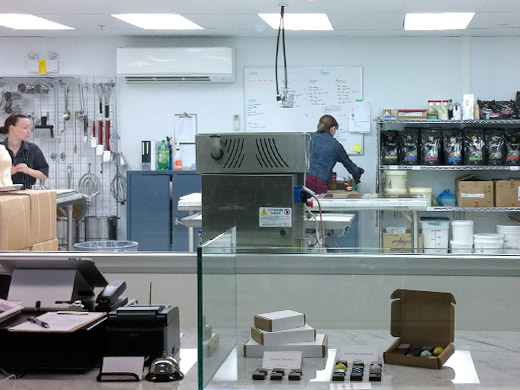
x,y
176,64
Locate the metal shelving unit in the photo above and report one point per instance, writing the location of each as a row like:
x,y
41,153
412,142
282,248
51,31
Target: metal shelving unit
x,y
471,209
450,167
397,125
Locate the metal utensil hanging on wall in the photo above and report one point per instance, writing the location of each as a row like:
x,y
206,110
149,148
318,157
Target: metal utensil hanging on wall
x,y
66,112
107,93
118,187
89,185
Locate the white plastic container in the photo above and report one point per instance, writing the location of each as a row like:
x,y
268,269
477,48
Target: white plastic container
x,y
435,235
461,247
395,182
511,237
491,243
424,191
462,230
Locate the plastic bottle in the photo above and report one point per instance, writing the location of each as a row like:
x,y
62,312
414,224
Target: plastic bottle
x,y
162,156
177,161
450,109
431,112
457,111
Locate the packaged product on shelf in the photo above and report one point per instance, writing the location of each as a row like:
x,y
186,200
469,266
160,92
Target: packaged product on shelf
x,y
431,112
512,146
452,146
430,146
473,146
494,143
442,109
389,148
409,146
494,109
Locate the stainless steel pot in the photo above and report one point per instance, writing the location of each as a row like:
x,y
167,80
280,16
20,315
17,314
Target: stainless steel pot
x,y
98,228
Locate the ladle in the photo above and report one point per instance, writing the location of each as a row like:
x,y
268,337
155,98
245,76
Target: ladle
x,y
66,113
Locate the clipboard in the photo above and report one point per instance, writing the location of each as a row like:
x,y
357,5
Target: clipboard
x,y
185,128
59,322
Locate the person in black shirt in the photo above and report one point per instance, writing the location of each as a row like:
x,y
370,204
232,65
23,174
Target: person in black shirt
x,y
28,162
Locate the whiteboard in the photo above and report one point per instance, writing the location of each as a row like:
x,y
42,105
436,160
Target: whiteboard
x,y
317,91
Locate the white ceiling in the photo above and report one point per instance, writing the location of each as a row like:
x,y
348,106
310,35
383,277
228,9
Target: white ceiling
x,y
238,18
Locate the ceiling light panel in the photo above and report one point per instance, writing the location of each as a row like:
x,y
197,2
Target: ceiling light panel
x,y
313,22
158,21
438,21
30,22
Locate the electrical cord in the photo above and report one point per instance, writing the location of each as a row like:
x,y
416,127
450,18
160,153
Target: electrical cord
x,y
281,31
321,221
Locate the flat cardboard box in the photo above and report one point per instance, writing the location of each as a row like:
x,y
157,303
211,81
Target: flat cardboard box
x,y
15,222
43,214
419,114
295,335
309,349
399,243
45,246
507,193
422,318
473,191
279,320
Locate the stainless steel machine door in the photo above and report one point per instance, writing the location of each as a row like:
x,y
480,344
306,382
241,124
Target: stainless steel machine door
x,y
260,206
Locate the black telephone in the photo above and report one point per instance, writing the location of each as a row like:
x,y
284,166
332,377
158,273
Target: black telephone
x,y
109,299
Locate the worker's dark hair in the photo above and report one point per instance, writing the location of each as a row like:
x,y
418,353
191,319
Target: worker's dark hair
x,y
326,122
11,120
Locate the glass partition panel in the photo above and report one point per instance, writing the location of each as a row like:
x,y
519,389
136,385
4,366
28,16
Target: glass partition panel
x,y
217,303
347,299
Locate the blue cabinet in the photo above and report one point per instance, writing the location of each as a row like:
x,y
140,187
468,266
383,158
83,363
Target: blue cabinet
x,y
152,209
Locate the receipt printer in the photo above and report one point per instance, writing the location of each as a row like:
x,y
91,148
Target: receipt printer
x,y
143,331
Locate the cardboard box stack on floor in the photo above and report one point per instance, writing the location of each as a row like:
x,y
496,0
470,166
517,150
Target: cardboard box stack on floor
x,y
284,330
28,220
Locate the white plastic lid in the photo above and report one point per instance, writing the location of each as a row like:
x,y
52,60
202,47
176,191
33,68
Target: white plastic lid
x,y
462,222
508,228
395,173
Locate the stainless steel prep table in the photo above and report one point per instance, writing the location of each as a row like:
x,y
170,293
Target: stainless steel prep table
x,y
67,199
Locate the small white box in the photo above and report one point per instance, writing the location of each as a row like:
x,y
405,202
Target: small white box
x,y
295,335
309,349
279,320
468,105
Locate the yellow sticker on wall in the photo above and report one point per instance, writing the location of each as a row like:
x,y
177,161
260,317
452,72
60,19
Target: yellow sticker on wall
x,y
42,68
356,148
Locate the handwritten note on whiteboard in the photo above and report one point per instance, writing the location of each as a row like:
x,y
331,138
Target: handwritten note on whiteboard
x,y
317,91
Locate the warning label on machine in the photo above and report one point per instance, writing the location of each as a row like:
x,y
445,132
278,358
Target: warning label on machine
x,y
275,217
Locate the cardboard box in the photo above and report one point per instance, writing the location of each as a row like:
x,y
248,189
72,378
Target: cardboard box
x,y
279,320
295,335
310,349
45,246
43,214
399,242
15,220
422,318
474,191
419,114
507,193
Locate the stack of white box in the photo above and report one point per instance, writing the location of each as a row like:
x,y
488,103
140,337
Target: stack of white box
x,y
284,330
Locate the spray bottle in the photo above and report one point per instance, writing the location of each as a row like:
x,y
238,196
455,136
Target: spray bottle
x,y
177,161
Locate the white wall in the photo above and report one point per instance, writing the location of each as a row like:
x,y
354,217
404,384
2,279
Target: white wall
x,y
397,73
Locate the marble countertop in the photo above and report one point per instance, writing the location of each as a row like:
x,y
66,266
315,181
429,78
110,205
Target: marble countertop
x,y
483,360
